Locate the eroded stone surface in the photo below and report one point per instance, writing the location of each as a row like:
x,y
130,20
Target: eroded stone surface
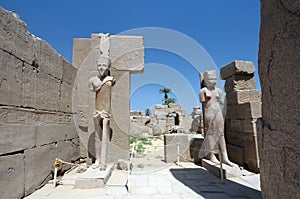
x,y
279,76
243,102
36,122
237,67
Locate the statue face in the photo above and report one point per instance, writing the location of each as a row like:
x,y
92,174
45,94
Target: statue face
x,y
210,78
103,64
102,68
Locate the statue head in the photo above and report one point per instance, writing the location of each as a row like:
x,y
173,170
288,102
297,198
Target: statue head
x,y
103,64
210,78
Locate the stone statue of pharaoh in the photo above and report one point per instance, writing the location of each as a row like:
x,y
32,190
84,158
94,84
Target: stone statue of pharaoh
x,y
102,85
210,96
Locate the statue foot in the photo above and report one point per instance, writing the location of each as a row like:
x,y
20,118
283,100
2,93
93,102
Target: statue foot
x,y
213,158
96,164
229,163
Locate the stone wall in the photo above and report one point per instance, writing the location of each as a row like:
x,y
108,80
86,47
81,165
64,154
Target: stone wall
x,y
163,119
186,147
140,125
36,120
243,108
127,57
279,60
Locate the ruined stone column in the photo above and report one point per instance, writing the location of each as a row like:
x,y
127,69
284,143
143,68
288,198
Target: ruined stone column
x,y
243,109
279,60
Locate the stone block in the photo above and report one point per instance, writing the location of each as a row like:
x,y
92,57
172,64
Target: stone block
x,y
81,49
93,178
243,96
235,138
159,112
140,129
12,176
14,37
231,112
134,113
175,106
47,100
127,53
249,110
236,125
38,166
171,144
54,133
240,82
195,146
251,152
161,117
69,72
120,122
67,150
16,138
65,98
29,86
161,106
10,80
156,130
38,173
249,126
48,60
235,154
237,67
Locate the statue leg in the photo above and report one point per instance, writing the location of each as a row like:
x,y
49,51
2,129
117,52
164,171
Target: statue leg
x,y
98,134
105,136
223,150
211,144
211,139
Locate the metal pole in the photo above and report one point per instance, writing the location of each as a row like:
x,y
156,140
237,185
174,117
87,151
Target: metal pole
x,y
178,153
221,167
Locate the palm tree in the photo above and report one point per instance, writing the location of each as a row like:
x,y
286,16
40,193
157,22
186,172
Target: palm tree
x,y
166,98
166,91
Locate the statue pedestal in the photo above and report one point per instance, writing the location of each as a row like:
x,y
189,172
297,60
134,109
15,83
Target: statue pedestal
x,y
93,178
214,168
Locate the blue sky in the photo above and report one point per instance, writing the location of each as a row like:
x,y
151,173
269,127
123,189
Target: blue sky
x,y
226,30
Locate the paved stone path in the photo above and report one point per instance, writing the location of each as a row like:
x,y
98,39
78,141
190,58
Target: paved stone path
x,y
185,181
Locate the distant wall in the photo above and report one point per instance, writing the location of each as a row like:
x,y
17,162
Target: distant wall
x,y
279,72
36,122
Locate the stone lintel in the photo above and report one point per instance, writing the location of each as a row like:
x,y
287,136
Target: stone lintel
x,y
237,67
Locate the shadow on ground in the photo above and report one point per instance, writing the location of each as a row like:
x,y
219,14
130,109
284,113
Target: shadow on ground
x,y
211,187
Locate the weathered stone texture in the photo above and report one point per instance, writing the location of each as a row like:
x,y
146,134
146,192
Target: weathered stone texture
x,y
12,176
279,139
181,145
239,82
36,119
243,107
39,162
237,67
16,138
